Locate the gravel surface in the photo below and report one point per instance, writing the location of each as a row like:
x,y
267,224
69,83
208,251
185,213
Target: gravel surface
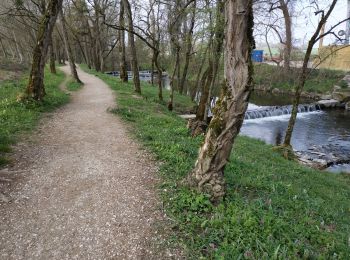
x,y
80,188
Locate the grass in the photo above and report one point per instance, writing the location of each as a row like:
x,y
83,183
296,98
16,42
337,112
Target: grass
x,y
319,81
18,117
72,85
274,209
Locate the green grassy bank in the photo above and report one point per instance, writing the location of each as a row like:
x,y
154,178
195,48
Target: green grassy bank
x,y
274,209
19,117
72,85
318,81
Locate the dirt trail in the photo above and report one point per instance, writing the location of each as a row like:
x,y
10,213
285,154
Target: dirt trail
x,y
84,189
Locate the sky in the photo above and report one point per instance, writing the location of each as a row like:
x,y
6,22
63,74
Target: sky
x,y
304,28
305,23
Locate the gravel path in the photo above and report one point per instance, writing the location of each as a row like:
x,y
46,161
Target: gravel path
x,y
81,188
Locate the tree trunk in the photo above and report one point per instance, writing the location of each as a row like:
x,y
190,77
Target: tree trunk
x,y
217,51
131,39
288,41
35,88
178,68
87,54
160,75
122,64
196,84
19,53
208,175
171,100
205,82
315,37
68,48
152,67
52,58
3,48
189,39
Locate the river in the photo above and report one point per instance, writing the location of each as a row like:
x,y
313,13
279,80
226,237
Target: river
x,y
329,129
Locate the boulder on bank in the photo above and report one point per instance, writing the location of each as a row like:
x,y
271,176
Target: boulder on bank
x,y
328,103
276,91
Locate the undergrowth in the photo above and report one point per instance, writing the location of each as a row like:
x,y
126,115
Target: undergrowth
x,y
17,117
274,208
319,80
72,85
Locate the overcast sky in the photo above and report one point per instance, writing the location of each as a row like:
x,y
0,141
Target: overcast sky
x,y
305,23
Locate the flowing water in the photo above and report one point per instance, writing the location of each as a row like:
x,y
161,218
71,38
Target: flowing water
x,y
329,129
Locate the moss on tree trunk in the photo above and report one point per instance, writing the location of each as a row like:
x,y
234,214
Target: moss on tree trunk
x,y
35,88
208,174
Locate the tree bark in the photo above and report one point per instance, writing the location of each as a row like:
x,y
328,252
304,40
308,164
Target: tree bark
x,y
189,39
172,79
208,175
217,51
3,48
35,88
68,48
122,64
288,26
131,39
299,88
152,67
52,58
19,53
201,66
205,82
160,75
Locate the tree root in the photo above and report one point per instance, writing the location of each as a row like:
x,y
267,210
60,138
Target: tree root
x,y
286,151
197,127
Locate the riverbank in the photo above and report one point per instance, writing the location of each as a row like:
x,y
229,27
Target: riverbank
x,y
274,208
16,117
274,79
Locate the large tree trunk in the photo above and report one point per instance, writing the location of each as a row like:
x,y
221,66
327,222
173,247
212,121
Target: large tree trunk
x,y
131,39
208,175
288,26
68,48
122,63
35,88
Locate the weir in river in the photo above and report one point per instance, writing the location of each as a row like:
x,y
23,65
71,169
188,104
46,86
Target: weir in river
x,y
270,111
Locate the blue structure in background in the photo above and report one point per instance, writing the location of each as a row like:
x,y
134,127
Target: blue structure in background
x,y
258,56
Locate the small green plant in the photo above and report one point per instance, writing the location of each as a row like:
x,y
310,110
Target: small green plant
x,y
343,84
72,85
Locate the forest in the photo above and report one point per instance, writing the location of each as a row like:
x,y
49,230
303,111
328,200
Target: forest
x,y
152,129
